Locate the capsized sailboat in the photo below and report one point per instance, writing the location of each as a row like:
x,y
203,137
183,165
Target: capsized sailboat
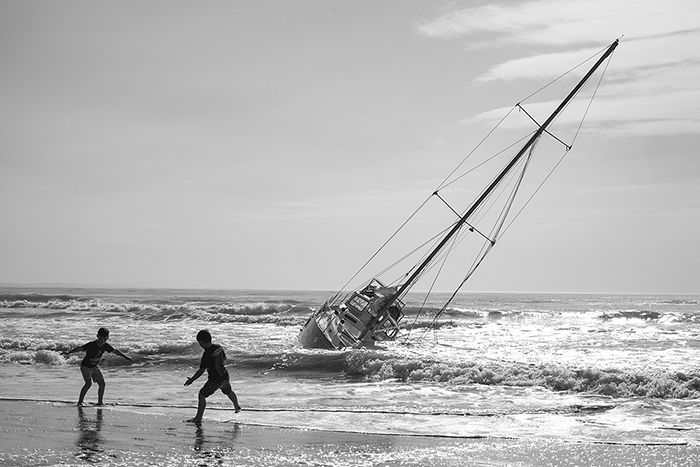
x,y
375,309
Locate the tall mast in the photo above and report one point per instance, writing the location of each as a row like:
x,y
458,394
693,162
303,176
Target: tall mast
x,y
500,176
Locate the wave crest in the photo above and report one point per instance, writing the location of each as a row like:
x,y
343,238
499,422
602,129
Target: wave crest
x,y
613,383
279,313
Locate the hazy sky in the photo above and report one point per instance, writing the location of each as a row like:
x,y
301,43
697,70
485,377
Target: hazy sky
x,y
276,144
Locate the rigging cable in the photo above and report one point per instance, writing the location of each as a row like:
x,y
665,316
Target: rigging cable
x,y
444,182
590,102
440,186
486,248
564,74
386,242
430,290
445,185
395,263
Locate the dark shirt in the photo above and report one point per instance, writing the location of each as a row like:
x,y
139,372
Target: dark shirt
x,y
93,353
213,360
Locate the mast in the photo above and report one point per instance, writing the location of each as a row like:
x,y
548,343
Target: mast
x,y
500,176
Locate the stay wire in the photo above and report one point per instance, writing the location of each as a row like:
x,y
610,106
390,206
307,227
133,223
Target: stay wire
x,y
422,245
487,246
445,185
386,242
564,74
441,185
430,290
590,102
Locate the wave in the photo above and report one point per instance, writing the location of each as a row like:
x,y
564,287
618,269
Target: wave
x,y
282,313
38,298
614,382
649,315
53,352
379,365
681,301
279,313
644,315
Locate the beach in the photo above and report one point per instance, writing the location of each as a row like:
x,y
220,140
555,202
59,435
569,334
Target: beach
x,y
502,379
52,433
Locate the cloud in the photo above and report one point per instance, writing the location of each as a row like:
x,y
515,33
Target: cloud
x,y
564,22
652,83
633,58
670,113
637,97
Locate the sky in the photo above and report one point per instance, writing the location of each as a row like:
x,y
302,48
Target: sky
x,y
275,144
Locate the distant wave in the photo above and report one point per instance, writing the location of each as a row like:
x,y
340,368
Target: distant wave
x,y
649,315
280,313
681,301
632,314
39,298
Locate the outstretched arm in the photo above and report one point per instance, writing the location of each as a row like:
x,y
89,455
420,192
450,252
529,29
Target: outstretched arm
x,y
194,377
78,348
122,355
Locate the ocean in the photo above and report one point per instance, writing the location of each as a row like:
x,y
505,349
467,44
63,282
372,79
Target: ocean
x,y
619,369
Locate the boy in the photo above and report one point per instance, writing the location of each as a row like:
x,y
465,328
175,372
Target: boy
x,y
88,367
213,361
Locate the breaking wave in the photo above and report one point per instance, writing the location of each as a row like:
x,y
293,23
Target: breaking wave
x,y
644,315
378,365
280,313
608,382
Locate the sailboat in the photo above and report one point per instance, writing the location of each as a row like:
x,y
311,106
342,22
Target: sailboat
x,y
374,310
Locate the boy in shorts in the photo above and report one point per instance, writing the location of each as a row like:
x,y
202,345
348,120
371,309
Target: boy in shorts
x,y
88,367
213,362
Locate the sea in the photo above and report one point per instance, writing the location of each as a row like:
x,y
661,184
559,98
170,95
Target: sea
x,y
597,368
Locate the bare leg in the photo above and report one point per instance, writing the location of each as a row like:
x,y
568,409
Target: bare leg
x,y
232,395
100,380
200,409
100,392
87,376
83,391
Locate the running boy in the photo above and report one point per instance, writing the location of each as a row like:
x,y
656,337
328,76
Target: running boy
x,y
88,367
213,361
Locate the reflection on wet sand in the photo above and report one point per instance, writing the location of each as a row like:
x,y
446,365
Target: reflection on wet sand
x,y
89,439
214,447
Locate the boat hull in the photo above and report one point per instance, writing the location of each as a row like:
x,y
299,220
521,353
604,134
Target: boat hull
x,y
312,337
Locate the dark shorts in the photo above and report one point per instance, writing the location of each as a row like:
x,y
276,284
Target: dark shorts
x,y
210,387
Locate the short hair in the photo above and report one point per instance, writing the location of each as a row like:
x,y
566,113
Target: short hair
x,y
103,332
204,336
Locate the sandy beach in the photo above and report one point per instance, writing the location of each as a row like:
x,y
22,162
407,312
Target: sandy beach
x,y
59,433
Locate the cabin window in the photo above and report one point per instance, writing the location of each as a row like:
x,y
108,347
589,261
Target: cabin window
x,y
358,303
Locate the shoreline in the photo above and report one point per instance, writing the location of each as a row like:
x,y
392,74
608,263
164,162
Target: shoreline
x,y
50,433
221,412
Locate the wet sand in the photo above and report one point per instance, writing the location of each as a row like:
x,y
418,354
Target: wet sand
x,y
50,433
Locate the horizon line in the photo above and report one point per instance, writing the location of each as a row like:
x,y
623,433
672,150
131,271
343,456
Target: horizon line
x,y
229,288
